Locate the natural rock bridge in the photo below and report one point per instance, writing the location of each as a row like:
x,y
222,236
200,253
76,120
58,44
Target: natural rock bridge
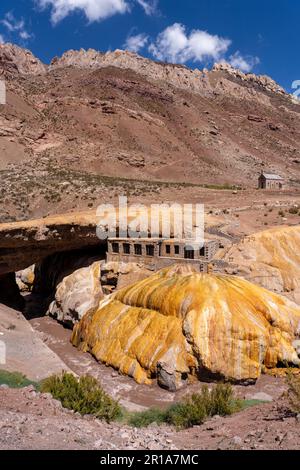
x,y
25,243
49,242
57,243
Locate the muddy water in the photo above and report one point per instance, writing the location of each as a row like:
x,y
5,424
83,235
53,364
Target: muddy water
x,y
131,395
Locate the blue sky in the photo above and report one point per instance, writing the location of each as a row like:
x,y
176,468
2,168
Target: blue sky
x,y
260,36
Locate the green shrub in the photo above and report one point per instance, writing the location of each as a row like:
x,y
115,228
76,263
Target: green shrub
x,y
14,379
83,395
193,410
293,393
196,408
222,401
185,415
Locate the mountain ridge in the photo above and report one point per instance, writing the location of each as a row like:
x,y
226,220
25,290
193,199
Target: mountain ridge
x,y
92,59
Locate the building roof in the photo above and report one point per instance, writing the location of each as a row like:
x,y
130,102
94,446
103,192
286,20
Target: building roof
x,y
271,176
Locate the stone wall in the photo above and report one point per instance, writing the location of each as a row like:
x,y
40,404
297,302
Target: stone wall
x,y
156,263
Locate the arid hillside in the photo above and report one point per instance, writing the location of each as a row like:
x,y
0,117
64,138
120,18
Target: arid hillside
x,y
91,125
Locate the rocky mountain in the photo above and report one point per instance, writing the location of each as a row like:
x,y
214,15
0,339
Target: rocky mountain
x,y
73,130
178,75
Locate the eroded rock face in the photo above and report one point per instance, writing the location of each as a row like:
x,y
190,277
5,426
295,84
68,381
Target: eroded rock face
x,y
82,290
178,325
22,243
115,275
271,259
178,75
76,294
50,273
25,279
262,80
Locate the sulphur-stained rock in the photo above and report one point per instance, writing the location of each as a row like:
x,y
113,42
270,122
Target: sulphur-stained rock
x,y
177,326
76,294
271,259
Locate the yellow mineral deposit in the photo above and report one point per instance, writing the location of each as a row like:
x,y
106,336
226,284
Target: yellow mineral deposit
x,y
177,326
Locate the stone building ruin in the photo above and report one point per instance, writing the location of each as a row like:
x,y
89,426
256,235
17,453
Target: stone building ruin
x,y
160,253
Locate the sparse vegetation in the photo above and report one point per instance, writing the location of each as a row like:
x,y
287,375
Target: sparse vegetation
x,y
15,379
198,407
193,410
86,396
145,418
83,395
47,180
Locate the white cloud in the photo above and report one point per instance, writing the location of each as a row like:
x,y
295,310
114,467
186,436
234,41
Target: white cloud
x,y
136,43
13,25
149,6
244,63
94,10
175,45
25,35
2,40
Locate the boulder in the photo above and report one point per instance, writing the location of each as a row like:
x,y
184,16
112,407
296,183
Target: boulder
x,y
116,275
25,279
77,294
